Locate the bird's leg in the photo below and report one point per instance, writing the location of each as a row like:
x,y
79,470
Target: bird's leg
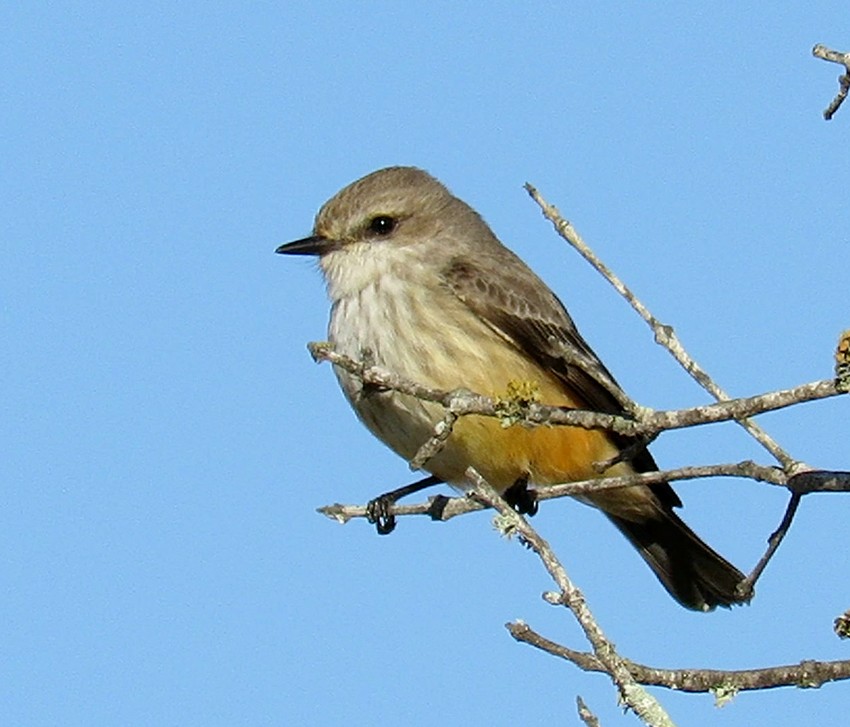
x,y
379,510
520,498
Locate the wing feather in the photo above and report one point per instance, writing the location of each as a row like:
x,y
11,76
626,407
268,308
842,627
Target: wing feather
x,y
518,306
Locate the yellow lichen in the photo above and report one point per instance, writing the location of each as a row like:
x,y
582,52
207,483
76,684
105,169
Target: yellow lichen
x,y
513,405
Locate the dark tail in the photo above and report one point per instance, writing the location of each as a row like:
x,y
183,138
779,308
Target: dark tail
x,y
692,573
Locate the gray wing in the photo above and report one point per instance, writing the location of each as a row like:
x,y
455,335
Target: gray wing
x,y
519,306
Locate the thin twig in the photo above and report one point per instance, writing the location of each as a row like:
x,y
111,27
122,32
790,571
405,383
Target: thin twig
x,y
644,704
747,469
664,334
773,543
799,484
442,432
455,506
807,673
584,713
817,481
463,402
833,56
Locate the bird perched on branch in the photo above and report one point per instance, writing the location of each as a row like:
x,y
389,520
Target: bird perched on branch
x,y
421,285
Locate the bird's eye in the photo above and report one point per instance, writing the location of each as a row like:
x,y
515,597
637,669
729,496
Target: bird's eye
x,y
382,225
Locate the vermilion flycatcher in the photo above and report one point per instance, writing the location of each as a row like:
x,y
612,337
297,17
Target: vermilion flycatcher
x,y
420,285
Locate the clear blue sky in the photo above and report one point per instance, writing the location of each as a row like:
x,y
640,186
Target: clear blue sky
x,y
165,438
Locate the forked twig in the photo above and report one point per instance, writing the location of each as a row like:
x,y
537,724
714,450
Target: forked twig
x,y
635,696
808,673
833,56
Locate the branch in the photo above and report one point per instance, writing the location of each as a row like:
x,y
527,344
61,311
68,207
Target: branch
x,y
644,704
800,484
773,543
664,334
525,410
807,673
463,402
454,506
821,51
584,713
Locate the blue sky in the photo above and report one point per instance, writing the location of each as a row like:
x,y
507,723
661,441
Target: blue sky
x,y
165,437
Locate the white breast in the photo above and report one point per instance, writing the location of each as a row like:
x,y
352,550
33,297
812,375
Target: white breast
x,y
381,315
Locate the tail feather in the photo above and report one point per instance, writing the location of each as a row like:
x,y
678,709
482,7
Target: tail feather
x,y
694,574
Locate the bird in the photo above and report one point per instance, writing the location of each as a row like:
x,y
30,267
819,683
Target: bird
x,y
420,285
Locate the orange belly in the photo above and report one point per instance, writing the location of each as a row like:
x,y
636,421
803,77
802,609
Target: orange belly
x,y
545,455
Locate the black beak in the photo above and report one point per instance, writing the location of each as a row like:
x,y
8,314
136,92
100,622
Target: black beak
x,y
315,245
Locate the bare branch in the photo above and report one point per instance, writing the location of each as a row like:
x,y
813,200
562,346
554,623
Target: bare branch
x,y
747,469
773,543
643,703
814,481
821,51
455,506
584,713
452,507
462,402
737,409
819,481
807,673
799,484
442,431
664,334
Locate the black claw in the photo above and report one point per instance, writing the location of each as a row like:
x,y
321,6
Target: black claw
x,y
379,513
520,498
